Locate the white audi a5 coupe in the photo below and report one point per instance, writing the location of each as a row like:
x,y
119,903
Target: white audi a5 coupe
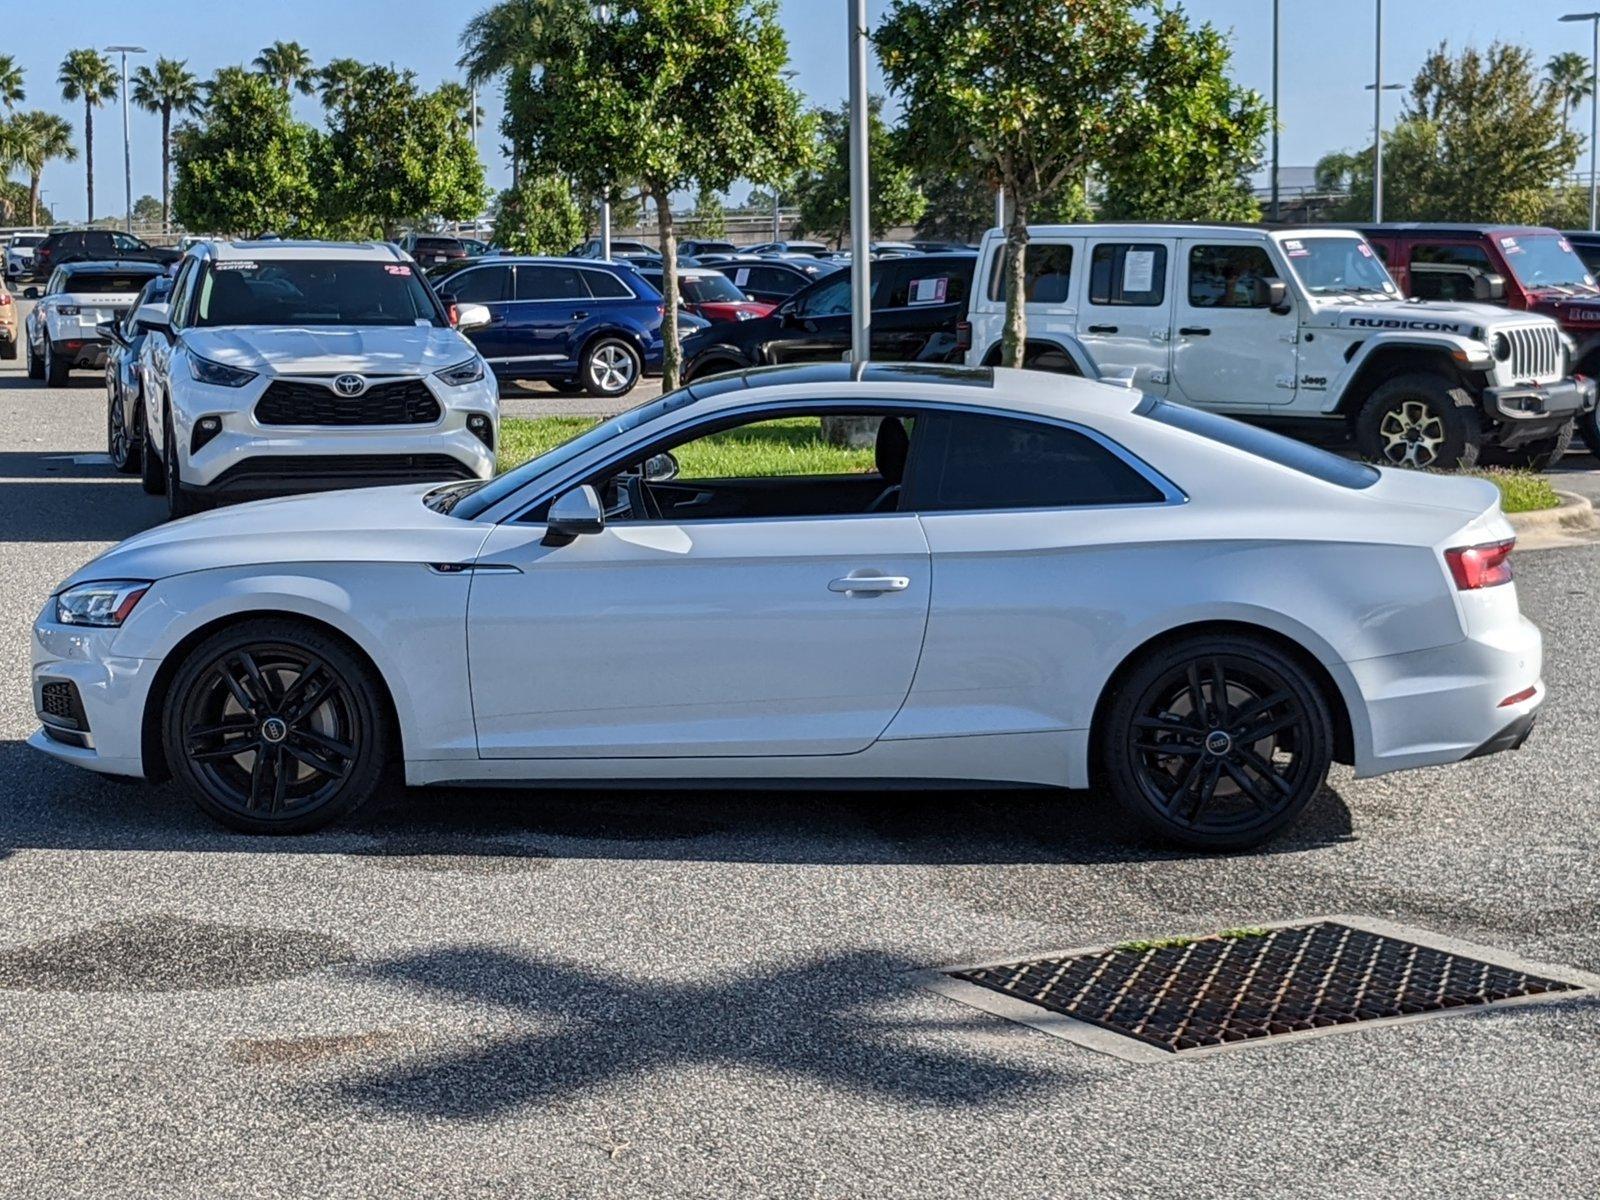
x,y
280,367
1040,580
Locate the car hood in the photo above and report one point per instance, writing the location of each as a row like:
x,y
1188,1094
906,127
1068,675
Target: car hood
x,y
1428,316
388,524
313,350
729,310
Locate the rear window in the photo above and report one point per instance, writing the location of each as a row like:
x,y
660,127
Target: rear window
x,y
105,281
448,245
1274,447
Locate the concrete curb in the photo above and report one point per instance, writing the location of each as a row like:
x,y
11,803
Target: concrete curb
x,y
1573,523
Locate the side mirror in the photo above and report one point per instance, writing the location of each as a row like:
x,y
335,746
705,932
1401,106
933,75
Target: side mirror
x,y
660,468
472,316
1489,287
154,318
1272,293
111,332
573,515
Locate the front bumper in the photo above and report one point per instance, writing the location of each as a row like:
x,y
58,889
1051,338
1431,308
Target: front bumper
x,y
105,731
1528,412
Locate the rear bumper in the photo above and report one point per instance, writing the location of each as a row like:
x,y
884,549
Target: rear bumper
x,y
1509,738
80,353
1529,412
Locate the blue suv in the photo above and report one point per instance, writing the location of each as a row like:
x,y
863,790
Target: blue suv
x,y
579,324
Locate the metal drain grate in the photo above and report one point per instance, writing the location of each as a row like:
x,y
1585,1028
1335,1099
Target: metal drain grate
x,y
1202,993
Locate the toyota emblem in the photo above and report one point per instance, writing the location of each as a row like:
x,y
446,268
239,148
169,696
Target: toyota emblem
x,y
349,385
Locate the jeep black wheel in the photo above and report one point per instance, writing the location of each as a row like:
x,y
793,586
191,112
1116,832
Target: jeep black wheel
x,y
275,727
1216,742
1420,420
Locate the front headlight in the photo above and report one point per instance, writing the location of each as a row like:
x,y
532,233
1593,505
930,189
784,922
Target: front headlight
x,y
218,374
104,604
462,373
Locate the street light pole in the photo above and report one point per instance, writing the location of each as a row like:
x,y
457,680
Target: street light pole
x,y
1000,207
1594,113
603,12
1377,115
1274,209
127,149
860,216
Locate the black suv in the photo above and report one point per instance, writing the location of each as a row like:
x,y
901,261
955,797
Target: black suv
x,y
919,314
97,245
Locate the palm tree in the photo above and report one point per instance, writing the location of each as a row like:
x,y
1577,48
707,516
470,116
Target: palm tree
x,y
288,64
1568,74
38,138
513,35
339,82
88,75
462,101
11,91
167,89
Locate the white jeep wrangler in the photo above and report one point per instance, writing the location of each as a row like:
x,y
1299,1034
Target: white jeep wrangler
x,y
1287,327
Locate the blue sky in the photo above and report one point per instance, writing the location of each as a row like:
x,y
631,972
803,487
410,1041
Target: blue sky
x,y
1326,57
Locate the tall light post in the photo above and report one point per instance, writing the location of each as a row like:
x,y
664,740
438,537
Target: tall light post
x,y
1273,211
602,13
1594,111
860,213
127,148
1377,114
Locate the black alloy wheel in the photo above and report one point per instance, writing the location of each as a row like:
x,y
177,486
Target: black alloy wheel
x,y
120,444
1218,743
274,727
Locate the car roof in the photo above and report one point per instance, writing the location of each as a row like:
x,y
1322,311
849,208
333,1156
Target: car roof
x,y
300,250
541,260
1449,228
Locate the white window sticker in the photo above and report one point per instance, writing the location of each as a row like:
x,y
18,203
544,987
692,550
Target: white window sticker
x,y
1295,249
1564,244
1138,270
929,291
234,264
1366,250
741,277
397,268
1509,245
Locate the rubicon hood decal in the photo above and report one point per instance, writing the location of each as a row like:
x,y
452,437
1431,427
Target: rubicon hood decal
x,y
1421,324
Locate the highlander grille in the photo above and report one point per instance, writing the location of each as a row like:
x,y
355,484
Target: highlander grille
x,y
1535,352
401,402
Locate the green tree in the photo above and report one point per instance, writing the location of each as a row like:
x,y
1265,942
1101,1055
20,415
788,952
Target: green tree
x,y
1200,134
37,138
396,155
147,210
823,194
288,64
88,75
247,166
338,82
511,41
12,93
168,89
461,101
538,216
710,219
960,206
1568,75
671,93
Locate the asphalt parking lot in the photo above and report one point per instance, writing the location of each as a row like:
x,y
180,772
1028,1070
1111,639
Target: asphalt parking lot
x,y
496,994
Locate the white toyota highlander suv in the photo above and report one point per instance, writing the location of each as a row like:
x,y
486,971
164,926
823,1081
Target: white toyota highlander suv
x,y
282,367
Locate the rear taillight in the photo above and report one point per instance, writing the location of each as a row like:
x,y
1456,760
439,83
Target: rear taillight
x,y
963,335
1482,566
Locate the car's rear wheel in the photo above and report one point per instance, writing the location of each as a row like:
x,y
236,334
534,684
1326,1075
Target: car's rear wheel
x,y
273,726
55,371
121,447
1419,420
1216,742
8,348
611,367
35,363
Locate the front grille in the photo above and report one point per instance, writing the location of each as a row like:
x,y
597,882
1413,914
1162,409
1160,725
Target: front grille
x,y
294,402
59,703
1535,353
1195,993
347,470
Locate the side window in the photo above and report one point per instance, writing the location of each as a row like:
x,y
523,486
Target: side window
x,y
97,242
981,462
911,287
55,284
1132,274
549,283
1228,276
182,290
829,299
1046,270
603,285
485,285
123,241
1447,270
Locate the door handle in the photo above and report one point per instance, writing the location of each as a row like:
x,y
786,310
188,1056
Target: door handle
x,y
1195,331
869,585
1102,329
580,316
497,319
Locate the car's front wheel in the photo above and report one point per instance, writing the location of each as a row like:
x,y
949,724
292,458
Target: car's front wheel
x,y
179,502
1420,420
273,726
35,363
152,474
1216,742
611,367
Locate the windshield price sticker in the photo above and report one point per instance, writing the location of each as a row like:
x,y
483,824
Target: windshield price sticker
x,y
1564,244
1366,250
235,264
1509,245
1297,249
929,291
1138,270
397,268
741,276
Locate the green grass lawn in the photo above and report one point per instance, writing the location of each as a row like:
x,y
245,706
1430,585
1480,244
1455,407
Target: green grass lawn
x,y
1521,491
793,446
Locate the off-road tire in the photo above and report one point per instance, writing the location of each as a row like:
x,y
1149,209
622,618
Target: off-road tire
x,y
1446,411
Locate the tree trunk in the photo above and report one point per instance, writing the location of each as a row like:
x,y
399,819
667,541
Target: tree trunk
x,y
33,198
166,168
672,352
88,157
1016,336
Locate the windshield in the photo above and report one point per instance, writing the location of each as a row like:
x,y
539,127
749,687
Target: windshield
x,y
314,292
22,240
1545,260
1328,266
470,503
710,289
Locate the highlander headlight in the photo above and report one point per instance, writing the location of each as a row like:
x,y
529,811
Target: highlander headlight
x,y
106,604
218,374
462,373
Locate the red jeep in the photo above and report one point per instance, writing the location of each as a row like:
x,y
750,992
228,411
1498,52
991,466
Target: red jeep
x,y
1518,266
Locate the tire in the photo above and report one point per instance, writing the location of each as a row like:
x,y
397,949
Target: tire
x,y
35,364
8,350
152,474
179,502
55,371
246,687
1199,789
121,446
1532,456
611,367
1420,420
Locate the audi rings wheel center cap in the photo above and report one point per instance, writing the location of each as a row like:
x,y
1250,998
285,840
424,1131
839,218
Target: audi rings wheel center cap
x,y
274,730
1218,743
